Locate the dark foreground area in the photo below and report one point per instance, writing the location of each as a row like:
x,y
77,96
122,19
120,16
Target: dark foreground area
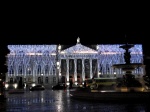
x,y
60,101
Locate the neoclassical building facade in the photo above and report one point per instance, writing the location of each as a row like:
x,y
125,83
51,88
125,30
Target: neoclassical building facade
x,y
49,64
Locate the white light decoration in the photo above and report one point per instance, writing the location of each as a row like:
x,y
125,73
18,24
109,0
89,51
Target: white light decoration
x,y
32,49
41,59
79,49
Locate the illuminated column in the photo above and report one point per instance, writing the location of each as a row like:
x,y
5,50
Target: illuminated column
x,y
97,68
83,70
60,69
67,73
36,75
57,71
15,70
33,74
75,70
7,75
91,74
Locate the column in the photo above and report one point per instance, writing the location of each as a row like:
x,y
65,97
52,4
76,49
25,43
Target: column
x,y
75,70
97,68
15,71
35,73
91,74
60,75
32,73
83,70
67,73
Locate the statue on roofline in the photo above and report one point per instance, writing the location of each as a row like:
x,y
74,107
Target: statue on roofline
x,y
78,40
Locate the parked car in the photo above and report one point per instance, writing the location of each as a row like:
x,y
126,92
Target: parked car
x,y
59,86
37,87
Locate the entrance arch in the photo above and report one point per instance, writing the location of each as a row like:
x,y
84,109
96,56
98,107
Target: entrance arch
x,y
39,80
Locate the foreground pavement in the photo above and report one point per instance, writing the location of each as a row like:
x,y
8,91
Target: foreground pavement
x,y
60,101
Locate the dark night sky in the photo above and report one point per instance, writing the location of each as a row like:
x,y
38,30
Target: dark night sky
x,y
46,25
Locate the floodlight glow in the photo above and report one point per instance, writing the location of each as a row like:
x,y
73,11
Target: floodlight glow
x,y
15,85
33,84
76,83
59,74
103,91
67,83
57,63
6,86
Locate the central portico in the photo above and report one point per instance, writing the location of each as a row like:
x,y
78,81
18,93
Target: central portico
x,y
78,62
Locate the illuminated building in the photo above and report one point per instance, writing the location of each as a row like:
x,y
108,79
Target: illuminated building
x,y
48,64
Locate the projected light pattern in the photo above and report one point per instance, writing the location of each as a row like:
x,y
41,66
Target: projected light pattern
x,y
31,49
79,49
112,54
33,61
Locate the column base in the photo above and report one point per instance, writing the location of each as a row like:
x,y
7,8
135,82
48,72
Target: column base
x,y
76,83
67,83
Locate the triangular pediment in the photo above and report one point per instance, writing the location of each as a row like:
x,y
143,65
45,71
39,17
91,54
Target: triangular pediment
x,y
79,48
